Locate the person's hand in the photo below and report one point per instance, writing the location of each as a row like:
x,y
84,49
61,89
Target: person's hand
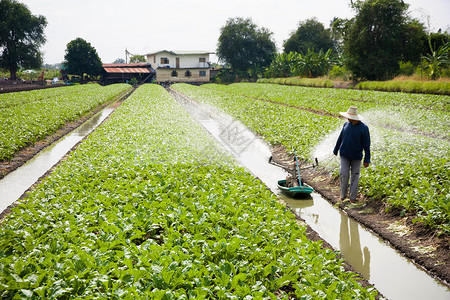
x,y
366,164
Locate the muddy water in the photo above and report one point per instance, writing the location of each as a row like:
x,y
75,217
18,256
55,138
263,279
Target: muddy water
x,y
391,273
13,185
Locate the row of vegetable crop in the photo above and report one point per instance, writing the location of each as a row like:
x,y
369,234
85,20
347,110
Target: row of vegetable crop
x,y
149,207
408,171
424,114
423,101
26,123
18,98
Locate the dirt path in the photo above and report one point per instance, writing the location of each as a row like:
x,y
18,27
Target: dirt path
x,y
415,241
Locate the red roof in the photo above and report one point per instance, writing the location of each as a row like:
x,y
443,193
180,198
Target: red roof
x,y
127,70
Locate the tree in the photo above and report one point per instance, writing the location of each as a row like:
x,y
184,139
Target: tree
x,y
338,29
376,39
137,58
21,36
414,38
82,58
119,61
244,46
310,34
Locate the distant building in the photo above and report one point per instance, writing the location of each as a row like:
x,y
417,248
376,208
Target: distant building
x,y
180,66
116,73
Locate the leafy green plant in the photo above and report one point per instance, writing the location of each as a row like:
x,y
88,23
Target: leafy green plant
x,y
437,59
409,171
28,116
160,213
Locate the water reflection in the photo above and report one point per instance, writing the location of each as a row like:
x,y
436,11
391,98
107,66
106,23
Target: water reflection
x,y
392,274
13,185
350,246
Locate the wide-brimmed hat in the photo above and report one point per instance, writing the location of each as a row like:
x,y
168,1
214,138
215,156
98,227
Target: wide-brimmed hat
x,y
352,114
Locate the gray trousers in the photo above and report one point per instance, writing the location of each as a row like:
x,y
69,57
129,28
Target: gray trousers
x,y
347,166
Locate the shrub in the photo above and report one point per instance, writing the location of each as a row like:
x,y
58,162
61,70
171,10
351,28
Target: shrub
x,y
406,68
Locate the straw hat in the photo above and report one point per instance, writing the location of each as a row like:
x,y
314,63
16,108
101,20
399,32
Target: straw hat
x,y
352,114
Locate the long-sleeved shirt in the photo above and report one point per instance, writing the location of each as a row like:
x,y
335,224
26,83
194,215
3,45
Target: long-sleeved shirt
x,y
354,138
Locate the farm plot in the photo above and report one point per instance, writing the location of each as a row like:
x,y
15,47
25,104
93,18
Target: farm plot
x,y
424,114
18,98
410,172
148,207
25,122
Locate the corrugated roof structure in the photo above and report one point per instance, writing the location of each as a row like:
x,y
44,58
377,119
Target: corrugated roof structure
x,y
114,73
128,70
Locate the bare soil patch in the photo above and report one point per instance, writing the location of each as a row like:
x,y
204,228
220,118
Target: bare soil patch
x,y
413,240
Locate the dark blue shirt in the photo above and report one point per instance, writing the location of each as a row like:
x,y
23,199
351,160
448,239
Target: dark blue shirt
x,y
354,138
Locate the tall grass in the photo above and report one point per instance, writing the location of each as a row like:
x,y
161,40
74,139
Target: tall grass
x,y
312,82
408,86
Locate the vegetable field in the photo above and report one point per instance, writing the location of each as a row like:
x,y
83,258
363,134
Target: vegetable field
x,y
25,117
410,136
148,207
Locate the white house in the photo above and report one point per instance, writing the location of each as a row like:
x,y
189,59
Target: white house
x,y
180,66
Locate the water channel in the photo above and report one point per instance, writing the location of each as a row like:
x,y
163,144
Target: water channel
x,y
392,274
13,185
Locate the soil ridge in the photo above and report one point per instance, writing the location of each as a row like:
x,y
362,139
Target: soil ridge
x,y
415,241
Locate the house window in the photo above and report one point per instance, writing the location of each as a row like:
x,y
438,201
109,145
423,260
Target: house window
x,y
202,59
174,73
164,60
202,73
188,73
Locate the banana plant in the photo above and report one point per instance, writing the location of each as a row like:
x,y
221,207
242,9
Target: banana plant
x,y
437,59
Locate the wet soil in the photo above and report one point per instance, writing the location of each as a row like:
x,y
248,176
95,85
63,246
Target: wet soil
x,y
417,242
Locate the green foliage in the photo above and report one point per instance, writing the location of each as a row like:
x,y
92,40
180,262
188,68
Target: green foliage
x,y
81,58
410,137
244,46
21,36
311,82
137,58
133,81
406,68
437,60
407,86
310,35
339,72
314,64
28,116
376,39
160,213
283,65
310,64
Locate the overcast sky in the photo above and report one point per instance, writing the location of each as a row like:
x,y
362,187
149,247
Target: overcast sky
x,y
145,26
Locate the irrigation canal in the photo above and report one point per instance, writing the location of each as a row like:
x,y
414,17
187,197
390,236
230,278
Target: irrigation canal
x,y
13,185
391,273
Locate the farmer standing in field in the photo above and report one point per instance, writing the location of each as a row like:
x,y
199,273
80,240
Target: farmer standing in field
x,y
353,139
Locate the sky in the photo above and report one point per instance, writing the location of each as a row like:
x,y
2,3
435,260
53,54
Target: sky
x,y
146,26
